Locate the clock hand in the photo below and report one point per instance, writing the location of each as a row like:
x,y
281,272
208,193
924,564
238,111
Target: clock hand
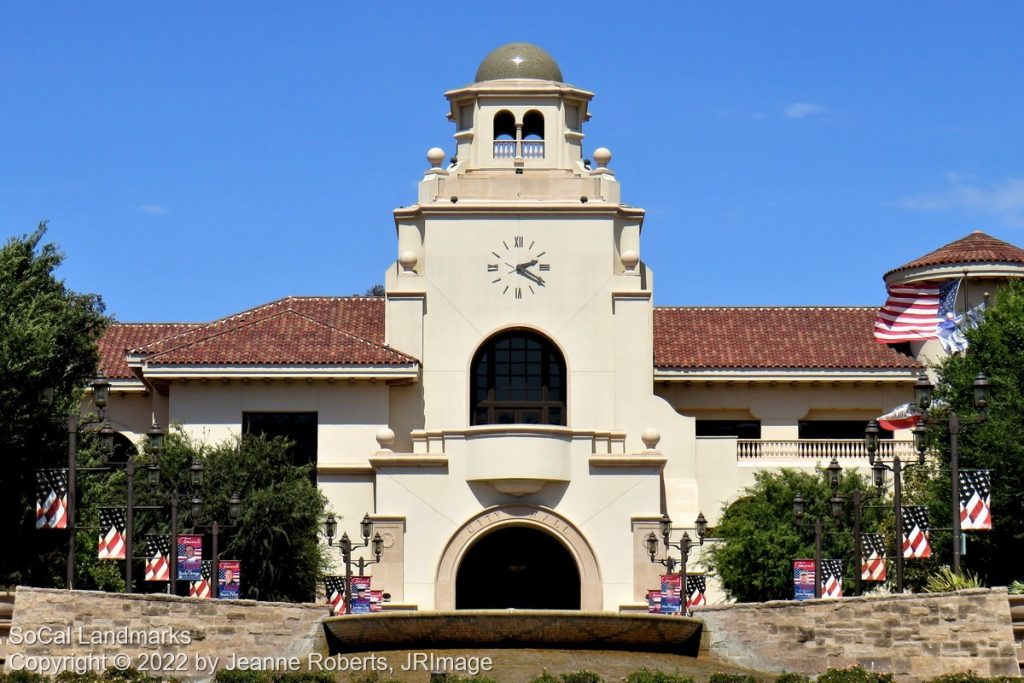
x,y
523,266
530,276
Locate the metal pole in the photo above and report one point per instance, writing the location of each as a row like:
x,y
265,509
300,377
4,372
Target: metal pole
x,y
215,562
858,549
129,524
346,557
72,453
684,596
174,543
897,501
817,558
954,474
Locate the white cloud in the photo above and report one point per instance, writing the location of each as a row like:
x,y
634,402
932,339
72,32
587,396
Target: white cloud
x,y
1003,199
152,208
799,110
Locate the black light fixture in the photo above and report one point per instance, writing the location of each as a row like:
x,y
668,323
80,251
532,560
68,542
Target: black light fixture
x,y
701,525
982,388
835,471
197,472
878,474
920,433
378,546
197,506
106,441
799,506
923,391
366,527
156,439
346,544
838,503
665,526
100,390
652,545
330,527
234,507
684,546
871,440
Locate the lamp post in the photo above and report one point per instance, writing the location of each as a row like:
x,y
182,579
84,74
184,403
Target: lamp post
x,y
346,547
215,527
923,398
700,526
878,469
836,504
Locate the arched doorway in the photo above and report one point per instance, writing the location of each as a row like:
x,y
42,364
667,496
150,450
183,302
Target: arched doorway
x,y
517,567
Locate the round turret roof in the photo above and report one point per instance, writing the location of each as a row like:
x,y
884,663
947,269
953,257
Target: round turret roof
x,y
518,60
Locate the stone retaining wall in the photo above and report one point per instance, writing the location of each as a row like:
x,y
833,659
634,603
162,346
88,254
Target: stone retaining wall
x,y
172,636
915,636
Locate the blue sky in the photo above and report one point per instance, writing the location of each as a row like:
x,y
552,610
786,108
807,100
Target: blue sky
x,y
196,159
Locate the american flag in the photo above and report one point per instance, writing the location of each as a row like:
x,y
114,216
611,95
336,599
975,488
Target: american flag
x,y
915,532
335,586
913,312
696,586
832,578
51,499
201,588
158,558
975,500
872,567
112,525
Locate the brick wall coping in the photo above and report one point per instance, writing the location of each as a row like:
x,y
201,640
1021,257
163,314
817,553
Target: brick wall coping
x,y
541,629
784,604
163,597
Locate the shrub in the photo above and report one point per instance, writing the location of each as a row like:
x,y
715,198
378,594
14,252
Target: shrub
x,y
23,677
1016,588
732,678
581,677
648,676
853,674
792,678
946,580
545,678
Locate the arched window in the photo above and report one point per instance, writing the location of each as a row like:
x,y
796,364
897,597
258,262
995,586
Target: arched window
x,y
533,126
504,135
518,378
504,126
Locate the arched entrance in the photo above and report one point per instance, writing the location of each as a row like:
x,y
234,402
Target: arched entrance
x,y
517,567
535,518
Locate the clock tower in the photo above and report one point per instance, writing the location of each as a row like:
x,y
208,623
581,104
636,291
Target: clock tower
x,y
518,284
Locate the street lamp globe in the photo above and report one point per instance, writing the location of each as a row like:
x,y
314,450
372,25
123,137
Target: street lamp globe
x,y
701,525
981,391
366,527
234,507
923,391
100,390
871,440
330,527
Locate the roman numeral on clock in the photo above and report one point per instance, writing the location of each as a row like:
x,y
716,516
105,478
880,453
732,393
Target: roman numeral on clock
x,y
545,267
518,241
519,292
492,267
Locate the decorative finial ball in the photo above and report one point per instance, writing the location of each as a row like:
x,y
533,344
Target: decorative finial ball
x,y
602,155
630,258
385,437
435,155
650,437
407,260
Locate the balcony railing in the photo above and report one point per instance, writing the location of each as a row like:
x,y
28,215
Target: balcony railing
x,y
504,149
819,449
533,149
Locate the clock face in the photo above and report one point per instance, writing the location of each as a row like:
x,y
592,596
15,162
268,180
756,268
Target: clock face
x,y
518,267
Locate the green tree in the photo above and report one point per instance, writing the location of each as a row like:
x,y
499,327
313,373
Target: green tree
x,y
48,353
760,538
997,350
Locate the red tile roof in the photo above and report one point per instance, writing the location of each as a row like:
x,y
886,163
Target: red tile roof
x,y
771,338
290,331
975,248
120,337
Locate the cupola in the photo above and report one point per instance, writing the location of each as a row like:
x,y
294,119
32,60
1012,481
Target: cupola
x,y
519,115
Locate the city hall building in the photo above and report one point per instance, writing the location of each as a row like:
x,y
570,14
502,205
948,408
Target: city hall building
x,y
514,411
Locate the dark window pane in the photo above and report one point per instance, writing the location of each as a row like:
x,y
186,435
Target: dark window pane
x,y
524,385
